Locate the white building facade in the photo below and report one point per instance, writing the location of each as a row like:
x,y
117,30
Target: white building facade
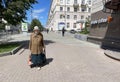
x,y
97,5
70,14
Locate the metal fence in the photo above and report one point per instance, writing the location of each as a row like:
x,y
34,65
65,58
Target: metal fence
x,y
5,36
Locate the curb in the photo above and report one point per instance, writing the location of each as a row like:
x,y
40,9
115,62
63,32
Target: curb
x,y
112,54
81,37
13,52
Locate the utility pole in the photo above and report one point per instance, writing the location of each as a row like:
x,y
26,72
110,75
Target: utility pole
x,y
0,19
31,14
0,15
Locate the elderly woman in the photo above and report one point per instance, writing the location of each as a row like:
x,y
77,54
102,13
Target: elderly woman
x,y
37,47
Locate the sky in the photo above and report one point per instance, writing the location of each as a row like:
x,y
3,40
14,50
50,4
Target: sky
x,y
39,11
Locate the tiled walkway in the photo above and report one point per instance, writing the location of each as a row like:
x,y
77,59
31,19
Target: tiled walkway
x,y
70,60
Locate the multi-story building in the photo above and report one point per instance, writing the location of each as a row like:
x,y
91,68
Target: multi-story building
x,y
70,14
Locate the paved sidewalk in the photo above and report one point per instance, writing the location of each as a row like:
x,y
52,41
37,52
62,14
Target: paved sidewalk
x,y
70,60
113,54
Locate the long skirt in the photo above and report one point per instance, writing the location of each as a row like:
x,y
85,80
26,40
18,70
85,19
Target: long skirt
x,y
37,59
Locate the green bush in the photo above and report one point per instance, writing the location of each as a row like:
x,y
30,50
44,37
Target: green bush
x,y
84,32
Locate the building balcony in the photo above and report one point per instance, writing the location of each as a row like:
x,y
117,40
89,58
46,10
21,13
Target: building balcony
x,y
112,4
76,5
83,5
80,21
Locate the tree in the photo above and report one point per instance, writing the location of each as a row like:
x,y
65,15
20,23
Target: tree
x,y
36,22
14,11
87,25
2,25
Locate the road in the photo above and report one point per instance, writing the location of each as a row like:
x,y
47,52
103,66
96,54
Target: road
x,y
70,60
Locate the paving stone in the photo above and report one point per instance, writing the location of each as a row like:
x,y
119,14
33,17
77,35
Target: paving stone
x,y
70,62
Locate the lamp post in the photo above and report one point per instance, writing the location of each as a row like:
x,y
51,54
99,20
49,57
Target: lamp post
x,y
65,14
0,19
0,16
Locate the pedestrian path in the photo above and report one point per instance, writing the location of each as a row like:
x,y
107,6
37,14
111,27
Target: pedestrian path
x,y
68,39
67,63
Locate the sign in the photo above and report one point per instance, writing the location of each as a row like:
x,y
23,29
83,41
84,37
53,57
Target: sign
x,y
61,25
24,27
7,27
102,20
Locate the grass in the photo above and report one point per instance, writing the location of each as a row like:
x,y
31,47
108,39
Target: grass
x,y
8,47
84,32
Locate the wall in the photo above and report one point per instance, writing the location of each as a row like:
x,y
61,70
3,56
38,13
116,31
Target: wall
x,y
99,30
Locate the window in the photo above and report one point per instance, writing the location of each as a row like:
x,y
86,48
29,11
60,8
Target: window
x,y
61,16
61,1
61,8
75,1
83,9
89,17
75,9
74,25
75,17
68,25
83,2
82,17
89,2
68,16
89,9
68,1
68,8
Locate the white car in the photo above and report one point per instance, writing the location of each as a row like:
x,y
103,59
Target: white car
x,y
78,30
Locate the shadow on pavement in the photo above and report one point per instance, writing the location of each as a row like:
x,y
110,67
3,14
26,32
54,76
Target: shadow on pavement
x,y
48,60
47,42
26,43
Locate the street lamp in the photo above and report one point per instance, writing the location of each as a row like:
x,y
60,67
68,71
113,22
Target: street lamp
x,y
65,14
